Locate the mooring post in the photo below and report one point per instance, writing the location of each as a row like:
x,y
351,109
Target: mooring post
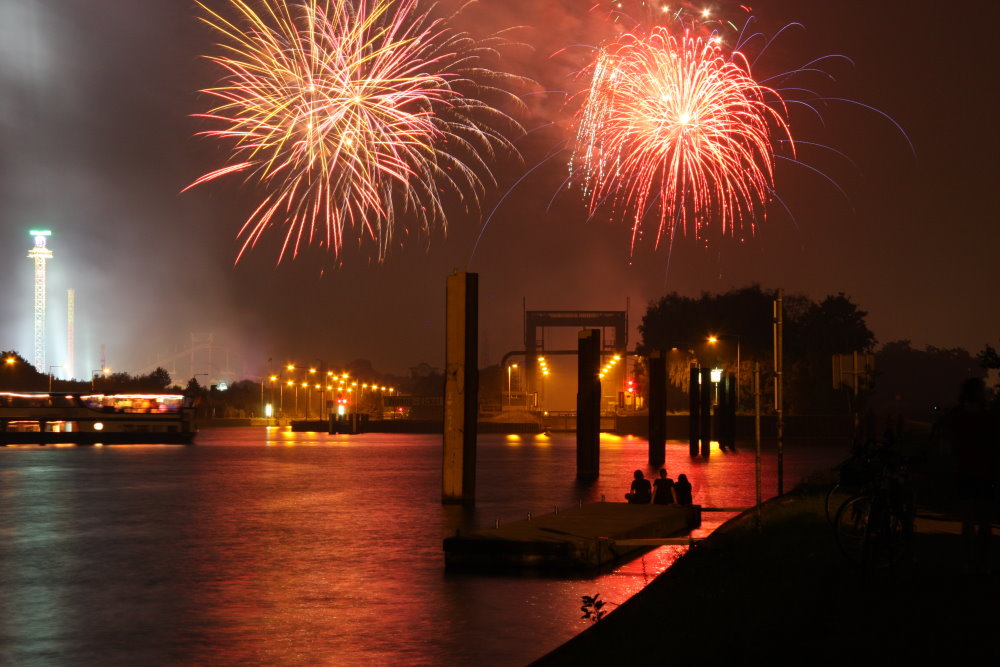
x,y
694,410
733,388
588,406
706,411
721,417
461,389
657,408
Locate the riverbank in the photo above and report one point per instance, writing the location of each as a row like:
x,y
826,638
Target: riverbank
x,y
786,595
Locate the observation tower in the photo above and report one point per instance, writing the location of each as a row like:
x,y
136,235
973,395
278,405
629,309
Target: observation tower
x,y
40,254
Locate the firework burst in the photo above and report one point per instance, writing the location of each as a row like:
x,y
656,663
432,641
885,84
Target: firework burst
x,y
675,129
358,118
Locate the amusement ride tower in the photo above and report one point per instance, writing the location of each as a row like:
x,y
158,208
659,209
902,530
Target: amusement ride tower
x,y
40,254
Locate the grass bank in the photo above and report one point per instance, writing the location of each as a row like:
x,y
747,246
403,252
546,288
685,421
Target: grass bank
x,y
786,595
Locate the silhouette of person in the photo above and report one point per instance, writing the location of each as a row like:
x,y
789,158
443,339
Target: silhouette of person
x,y
683,490
663,489
640,492
974,448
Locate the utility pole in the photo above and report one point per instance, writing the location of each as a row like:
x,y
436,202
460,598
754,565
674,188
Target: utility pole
x,y
779,385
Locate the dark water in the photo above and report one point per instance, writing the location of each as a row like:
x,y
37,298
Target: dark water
x,y
281,548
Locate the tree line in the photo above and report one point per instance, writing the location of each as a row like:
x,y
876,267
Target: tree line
x,y
907,381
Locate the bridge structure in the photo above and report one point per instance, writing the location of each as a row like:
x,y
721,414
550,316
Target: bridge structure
x,y
203,358
612,326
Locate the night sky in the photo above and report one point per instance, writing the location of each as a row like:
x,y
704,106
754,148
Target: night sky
x,y
97,141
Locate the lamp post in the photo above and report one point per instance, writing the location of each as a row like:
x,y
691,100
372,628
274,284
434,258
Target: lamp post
x,y
544,366
291,383
50,376
311,380
510,399
714,339
274,380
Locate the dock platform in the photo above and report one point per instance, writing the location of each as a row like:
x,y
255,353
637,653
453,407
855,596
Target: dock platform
x,y
585,537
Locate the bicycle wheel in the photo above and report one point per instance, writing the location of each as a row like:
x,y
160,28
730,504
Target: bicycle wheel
x,y
851,526
834,497
885,543
869,533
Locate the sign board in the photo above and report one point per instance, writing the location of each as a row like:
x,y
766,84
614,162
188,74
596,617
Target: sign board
x,y
853,371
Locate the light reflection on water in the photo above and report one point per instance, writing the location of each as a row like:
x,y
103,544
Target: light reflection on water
x,y
304,548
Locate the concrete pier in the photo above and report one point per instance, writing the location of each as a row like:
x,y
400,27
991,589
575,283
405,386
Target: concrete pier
x,y
461,389
578,538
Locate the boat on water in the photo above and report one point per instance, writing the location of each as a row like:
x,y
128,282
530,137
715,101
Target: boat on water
x,y
90,419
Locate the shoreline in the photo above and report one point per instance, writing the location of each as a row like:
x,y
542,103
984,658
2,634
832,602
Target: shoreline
x,y
788,595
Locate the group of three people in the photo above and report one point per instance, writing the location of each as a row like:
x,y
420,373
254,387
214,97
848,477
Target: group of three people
x,y
663,490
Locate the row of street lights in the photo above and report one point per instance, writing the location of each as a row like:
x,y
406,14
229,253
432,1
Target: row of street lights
x,y
312,380
615,359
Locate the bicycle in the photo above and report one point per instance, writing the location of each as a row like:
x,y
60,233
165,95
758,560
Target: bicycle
x,y
874,527
856,474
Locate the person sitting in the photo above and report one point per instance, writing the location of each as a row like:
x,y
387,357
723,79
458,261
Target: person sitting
x,y
683,489
663,489
640,492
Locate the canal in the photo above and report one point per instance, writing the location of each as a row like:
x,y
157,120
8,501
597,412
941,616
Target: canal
x,y
266,546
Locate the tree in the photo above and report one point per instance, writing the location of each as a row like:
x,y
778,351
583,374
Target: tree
x,y
915,383
686,322
813,333
989,360
16,374
812,336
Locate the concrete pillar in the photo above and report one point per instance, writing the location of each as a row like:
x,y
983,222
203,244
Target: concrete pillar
x,y
657,408
588,405
706,411
722,413
733,390
694,410
461,389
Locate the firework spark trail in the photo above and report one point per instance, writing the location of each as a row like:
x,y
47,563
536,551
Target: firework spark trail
x,y
356,115
671,118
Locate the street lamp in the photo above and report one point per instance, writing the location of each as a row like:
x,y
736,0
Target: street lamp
x,y
544,366
274,380
714,339
510,400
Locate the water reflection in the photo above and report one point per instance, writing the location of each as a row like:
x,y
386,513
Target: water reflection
x,y
290,548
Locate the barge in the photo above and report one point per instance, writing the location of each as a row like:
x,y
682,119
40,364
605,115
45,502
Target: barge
x,y
90,419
